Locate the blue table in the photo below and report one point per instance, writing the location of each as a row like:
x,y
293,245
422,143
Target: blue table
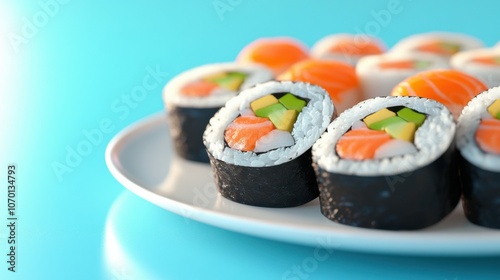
x,y
68,74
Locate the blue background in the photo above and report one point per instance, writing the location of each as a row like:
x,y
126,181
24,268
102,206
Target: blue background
x,y
78,61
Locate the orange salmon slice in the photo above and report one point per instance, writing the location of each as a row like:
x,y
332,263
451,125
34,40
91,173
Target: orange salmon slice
x,y
405,64
495,60
351,47
488,136
276,54
452,88
361,144
438,47
244,131
198,88
335,77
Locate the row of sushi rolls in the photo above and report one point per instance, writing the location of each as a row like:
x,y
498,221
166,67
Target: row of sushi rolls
x,y
388,139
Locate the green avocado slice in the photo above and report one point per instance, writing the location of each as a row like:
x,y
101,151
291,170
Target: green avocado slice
x,y
292,102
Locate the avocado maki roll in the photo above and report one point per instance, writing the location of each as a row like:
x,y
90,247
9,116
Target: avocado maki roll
x,y
379,74
259,143
348,48
483,64
444,44
388,163
193,97
478,140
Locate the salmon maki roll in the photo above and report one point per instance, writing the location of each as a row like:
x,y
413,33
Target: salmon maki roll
x,y
192,98
483,64
275,53
444,44
337,78
452,88
259,143
348,48
478,140
388,163
379,74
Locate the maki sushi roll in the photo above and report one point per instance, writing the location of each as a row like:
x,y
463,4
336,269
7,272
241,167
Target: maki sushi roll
x,y
379,74
444,44
337,78
388,163
483,64
450,87
259,143
193,97
348,48
478,140
276,53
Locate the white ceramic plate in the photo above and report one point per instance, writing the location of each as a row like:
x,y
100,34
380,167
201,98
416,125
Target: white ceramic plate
x,y
142,159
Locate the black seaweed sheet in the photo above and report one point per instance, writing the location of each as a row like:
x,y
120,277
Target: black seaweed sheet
x,y
481,194
186,128
407,201
286,185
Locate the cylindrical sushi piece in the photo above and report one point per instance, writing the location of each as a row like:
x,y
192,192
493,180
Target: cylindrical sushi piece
x,y
483,64
478,140
193,97
451,87
276,53
388,163
444,44
379,74
337,78
348,48
260,142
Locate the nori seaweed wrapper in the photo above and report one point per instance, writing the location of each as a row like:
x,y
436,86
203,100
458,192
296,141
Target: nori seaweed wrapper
x,y
481,194
407,201
289,184
186,129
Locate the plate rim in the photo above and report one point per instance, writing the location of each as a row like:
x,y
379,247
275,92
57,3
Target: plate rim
x,y
310,236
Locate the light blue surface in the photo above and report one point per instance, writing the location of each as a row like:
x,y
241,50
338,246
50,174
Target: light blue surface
x,y
73,75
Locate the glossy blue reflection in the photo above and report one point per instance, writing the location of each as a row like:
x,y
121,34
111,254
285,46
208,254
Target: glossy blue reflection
x,y
143,241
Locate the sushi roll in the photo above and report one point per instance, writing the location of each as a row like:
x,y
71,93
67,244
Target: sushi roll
x,y
388,163
193,97
338,78
452,88
478,140
444,44
379,74
348,48
276,53
259,143
483,64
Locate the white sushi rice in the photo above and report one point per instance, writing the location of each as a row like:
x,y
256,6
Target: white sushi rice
x,y
410,43
376,81
432,139
173,97
468,123
310,124
488,74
